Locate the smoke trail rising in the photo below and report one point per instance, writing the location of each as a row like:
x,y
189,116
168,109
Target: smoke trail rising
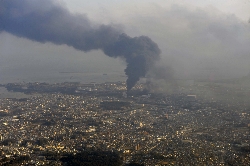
x,y
46,21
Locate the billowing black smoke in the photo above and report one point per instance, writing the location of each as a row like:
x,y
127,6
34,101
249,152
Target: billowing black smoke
x,y
46,21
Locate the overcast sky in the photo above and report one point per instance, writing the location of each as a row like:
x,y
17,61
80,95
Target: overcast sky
x,y
205,37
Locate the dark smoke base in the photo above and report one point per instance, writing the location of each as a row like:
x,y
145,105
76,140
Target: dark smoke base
x,y
46,21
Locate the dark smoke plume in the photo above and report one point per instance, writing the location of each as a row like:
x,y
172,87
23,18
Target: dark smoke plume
x,y
45,21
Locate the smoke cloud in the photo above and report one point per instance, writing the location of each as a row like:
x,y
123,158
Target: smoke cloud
x,y
47,21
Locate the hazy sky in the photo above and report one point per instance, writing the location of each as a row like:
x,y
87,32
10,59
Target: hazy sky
x,y
205,37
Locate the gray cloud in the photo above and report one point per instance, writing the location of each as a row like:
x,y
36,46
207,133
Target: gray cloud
x,y
46,21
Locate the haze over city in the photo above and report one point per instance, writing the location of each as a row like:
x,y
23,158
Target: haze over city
x,y
208,40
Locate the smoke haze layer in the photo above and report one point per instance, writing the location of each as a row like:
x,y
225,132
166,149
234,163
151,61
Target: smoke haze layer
x,y
47,21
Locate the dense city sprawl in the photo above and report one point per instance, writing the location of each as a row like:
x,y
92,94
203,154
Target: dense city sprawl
x,y
180,128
